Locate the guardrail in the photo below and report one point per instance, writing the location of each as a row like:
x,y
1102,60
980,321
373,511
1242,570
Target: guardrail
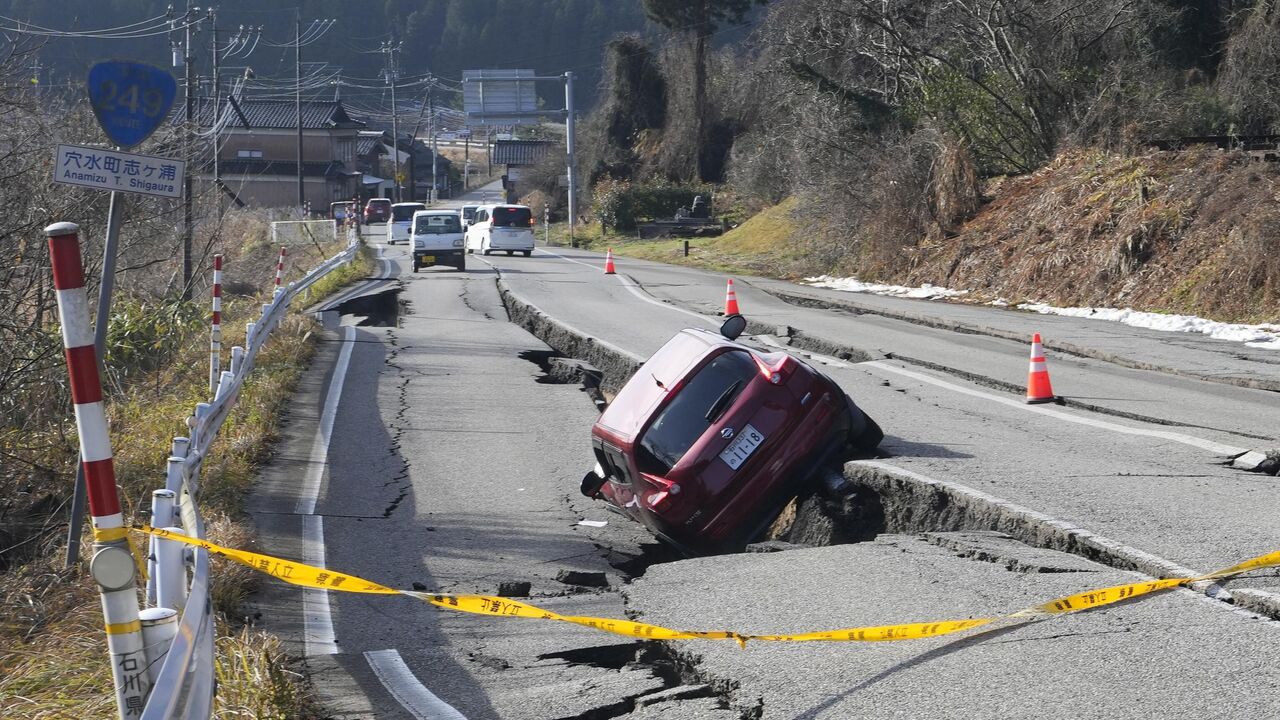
x,y
176,672
183,686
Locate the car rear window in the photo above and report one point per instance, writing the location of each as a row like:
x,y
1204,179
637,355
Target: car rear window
x,y
512,217
469,213
403,213
437,225
685,417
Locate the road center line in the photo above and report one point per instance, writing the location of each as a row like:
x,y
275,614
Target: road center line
x,y
1200,443
412,695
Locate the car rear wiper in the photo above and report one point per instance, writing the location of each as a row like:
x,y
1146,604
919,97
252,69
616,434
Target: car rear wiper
x,y
722,402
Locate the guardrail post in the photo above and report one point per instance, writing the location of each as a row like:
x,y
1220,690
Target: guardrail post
x,y
162,514
171,572
237,358
215,331
112,566
159,627
227,382
280,265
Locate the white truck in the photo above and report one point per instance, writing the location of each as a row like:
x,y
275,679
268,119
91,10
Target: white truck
x,y
437,239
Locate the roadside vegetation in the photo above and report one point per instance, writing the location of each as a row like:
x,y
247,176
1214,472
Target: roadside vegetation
x,y
1020,150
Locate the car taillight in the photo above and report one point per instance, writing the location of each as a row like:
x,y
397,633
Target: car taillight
x,y
657,499
774,373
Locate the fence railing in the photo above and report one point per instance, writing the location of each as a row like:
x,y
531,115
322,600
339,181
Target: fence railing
x,y
163,654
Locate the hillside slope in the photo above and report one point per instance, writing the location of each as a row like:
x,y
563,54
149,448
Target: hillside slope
x,y
1196,231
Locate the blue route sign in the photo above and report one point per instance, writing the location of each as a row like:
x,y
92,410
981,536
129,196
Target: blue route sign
x,y
130,99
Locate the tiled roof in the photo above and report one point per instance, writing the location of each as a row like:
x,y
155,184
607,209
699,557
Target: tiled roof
x,y
274,114
520,152
366,144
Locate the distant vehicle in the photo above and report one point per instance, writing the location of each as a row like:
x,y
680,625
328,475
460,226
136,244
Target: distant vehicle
x,y
377,210
400,220
468,213
340,211
709,439
437,239
499,228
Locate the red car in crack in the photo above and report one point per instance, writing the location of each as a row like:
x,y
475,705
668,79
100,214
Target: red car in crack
x,y
710,438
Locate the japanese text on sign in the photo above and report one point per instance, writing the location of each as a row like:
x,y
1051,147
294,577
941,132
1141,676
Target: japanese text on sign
x,y
105,169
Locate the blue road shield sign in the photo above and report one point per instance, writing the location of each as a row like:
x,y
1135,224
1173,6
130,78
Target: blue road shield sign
x,y
130,99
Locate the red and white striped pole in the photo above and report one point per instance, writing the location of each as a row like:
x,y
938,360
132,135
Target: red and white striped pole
x,y
280,265
112,566
215,328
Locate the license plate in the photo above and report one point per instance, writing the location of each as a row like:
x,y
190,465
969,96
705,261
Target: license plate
x,y
428,258
742,447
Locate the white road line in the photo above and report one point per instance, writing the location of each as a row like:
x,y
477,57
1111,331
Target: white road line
x,y
317,622
634,289
1200,443
318,634
412,695
319,459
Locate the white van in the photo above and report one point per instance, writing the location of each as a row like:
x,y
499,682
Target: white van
x,y
501,227
401,218
468,214
437,239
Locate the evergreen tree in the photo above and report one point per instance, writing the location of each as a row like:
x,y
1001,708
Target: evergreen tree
x,y
699,19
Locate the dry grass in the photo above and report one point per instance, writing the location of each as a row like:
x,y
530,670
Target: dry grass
x,y
1191,231
52,649
763,245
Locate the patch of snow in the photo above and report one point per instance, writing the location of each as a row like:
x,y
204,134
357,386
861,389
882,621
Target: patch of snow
x,y
999,302
1265,336
924,292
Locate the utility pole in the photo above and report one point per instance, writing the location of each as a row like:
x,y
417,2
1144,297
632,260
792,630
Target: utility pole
x,y
431,131
217,112
569,143
390,49
187,220
297,98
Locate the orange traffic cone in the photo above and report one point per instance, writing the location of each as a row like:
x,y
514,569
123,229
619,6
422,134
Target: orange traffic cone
x,y
608,262
1038,388
731,300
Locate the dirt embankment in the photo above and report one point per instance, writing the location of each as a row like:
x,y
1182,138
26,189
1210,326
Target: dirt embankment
x,y
1195,231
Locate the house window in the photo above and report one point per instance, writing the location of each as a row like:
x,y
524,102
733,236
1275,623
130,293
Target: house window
x,y
248,153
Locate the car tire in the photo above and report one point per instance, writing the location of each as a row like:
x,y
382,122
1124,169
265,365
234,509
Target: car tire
x,y
510,253
462,263
527,253
415,267
865,437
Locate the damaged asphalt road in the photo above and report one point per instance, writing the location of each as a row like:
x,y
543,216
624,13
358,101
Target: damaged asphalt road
x,y
457,442
454,465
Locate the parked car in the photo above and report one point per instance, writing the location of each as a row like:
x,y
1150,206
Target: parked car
x,y
709,439
400,220
377,210
468,213
437,239
501,227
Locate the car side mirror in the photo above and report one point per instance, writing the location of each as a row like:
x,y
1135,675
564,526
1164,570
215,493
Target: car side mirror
x,y
733,326
591,484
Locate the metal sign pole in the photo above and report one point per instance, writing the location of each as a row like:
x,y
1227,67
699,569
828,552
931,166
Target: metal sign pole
x,y
105,287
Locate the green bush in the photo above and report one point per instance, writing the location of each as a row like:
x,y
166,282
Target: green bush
x,y
620,205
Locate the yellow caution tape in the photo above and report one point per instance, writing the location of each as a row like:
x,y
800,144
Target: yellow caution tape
x,y
321,578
